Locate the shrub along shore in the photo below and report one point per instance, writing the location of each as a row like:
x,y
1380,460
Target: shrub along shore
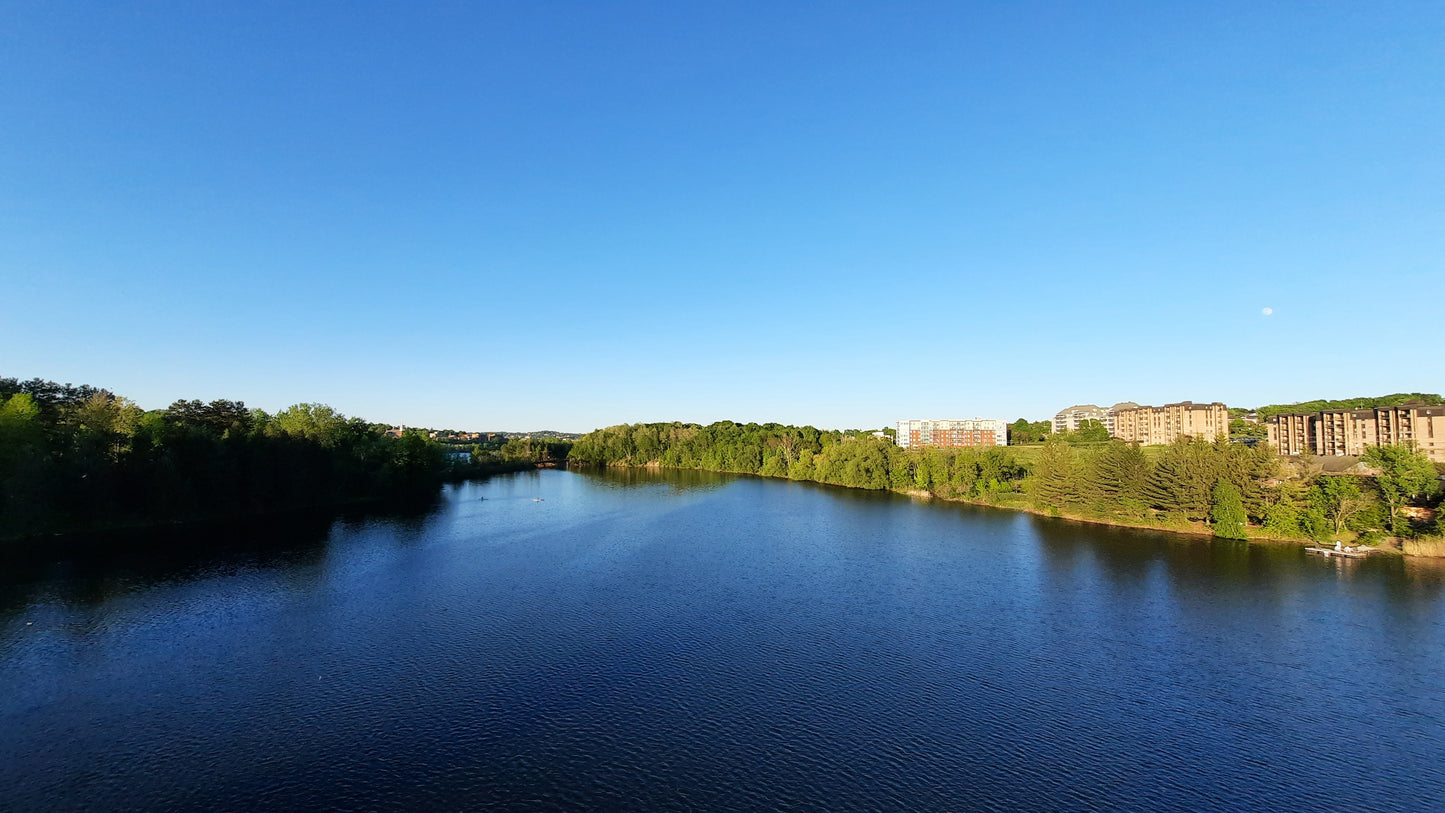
x,y
1218,488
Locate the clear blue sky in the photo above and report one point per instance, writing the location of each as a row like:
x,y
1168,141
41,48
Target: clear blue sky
x,y
532,215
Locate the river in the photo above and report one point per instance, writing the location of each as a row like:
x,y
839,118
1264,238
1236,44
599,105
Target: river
x,y
688,641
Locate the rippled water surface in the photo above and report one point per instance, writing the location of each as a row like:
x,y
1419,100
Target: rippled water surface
x,y
677,641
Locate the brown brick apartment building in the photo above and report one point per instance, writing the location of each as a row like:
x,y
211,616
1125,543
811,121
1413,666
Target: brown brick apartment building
x,y
1151,425
1341,432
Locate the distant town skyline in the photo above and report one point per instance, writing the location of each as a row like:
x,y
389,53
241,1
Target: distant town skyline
x,y
514,218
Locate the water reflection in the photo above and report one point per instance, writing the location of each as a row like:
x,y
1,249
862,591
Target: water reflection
x,y
88,571
677,480
685,640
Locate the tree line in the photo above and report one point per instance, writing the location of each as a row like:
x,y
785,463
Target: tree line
x,y
1235,490
522,452
76,458
848,458
1392,400
1191,480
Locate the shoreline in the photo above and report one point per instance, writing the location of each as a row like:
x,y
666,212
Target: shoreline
x,y
920,494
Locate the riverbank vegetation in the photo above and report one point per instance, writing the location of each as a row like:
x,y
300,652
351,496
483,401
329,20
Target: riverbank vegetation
x,y
1228,489
82,458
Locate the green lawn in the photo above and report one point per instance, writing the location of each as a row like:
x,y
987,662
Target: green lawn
x,y
1030,453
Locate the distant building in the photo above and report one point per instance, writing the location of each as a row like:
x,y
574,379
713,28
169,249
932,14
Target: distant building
x,y
1068,420
1342,432
953,434
1151,425
1111,417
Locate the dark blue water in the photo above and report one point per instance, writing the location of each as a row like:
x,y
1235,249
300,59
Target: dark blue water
x,y
694,642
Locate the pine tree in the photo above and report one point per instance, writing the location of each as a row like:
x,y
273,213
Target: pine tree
x,y
1121,470
1228,511
1055,482
1183,478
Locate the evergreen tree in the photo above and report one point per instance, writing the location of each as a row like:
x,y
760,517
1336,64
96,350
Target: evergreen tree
x,y
1056,475
1121,470
1228,511
1283,518
1183,478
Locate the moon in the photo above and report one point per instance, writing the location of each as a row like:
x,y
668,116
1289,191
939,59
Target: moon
x,y
1266,311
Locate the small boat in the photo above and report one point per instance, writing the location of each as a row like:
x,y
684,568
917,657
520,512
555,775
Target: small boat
x,y
536,499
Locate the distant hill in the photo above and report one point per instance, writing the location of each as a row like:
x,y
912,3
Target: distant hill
x,y
1397,399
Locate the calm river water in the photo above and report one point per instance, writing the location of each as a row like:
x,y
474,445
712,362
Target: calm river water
x,y
683,641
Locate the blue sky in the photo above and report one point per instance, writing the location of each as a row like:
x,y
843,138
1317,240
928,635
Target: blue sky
x,y
530,215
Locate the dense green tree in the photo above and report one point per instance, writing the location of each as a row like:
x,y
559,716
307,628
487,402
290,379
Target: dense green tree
x,y
965,475
1057,477
1182,480
27,470
1395,399
802,468
1240,428
414,458
55,402
1283,518
219,416
1090,431
1121,470
1404,475
76,458
1024,431
315,422
998,472
854,458
1227,513
1314,523
1338,498
1115,479
20,425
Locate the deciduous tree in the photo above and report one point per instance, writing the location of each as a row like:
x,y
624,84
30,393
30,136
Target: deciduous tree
x,y
1405,475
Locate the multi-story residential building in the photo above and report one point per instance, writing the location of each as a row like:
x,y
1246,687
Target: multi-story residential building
x,y
1151,425
1291,434
1068,420
1111,417
952,434
1347,432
